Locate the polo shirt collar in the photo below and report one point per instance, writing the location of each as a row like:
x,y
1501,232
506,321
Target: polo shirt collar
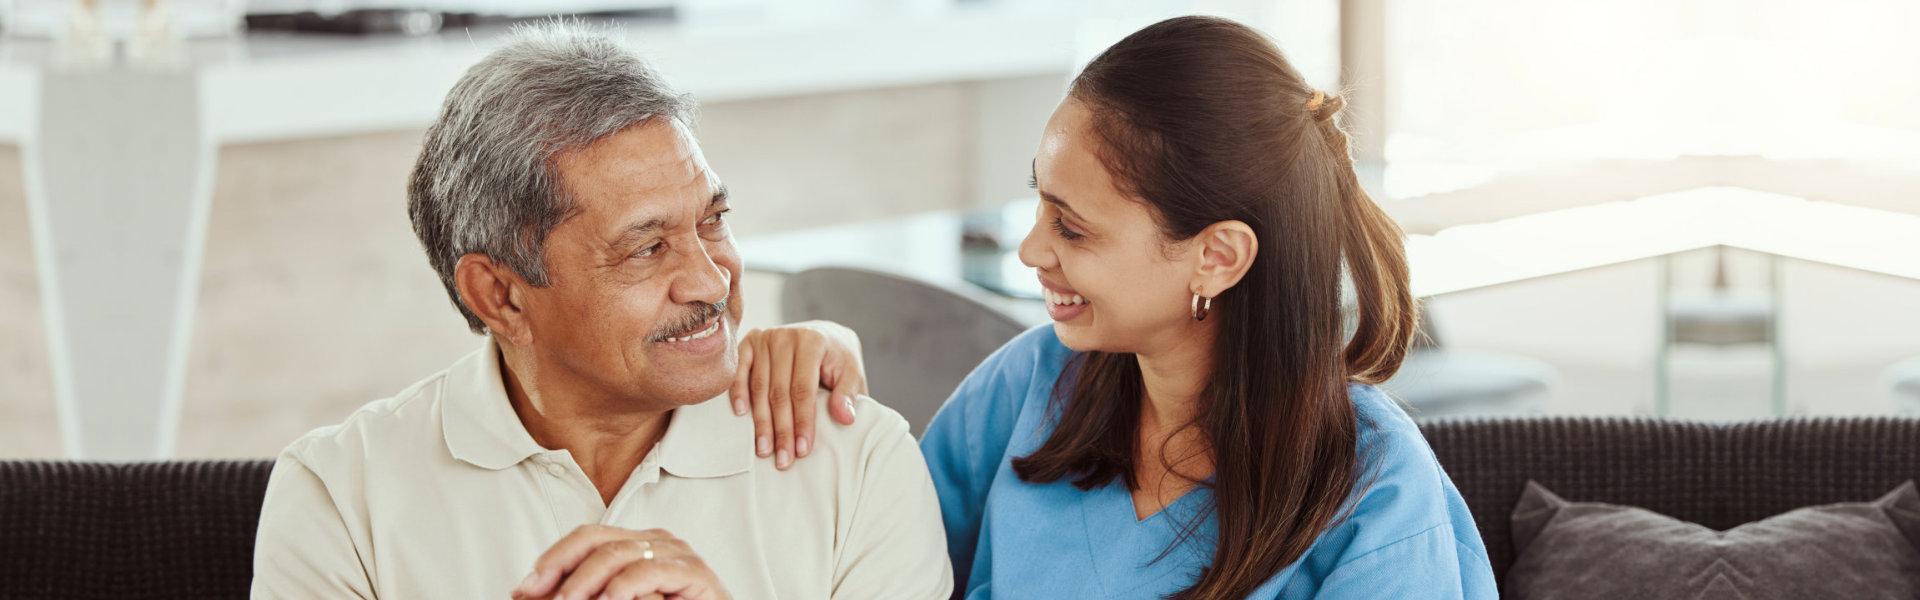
x,y
703,440
478,419
707,440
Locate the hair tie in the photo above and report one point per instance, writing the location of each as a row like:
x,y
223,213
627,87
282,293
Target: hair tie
x,y
1313,106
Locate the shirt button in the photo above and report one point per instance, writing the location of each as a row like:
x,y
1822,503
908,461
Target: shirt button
x,y
556,470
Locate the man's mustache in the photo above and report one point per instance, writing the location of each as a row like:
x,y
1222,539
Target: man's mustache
x,y
693,322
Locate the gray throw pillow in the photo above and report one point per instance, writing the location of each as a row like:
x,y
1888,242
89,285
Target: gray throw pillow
x,y
1573,550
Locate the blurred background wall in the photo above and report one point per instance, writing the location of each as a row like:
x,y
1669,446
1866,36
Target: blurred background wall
x,y
280,286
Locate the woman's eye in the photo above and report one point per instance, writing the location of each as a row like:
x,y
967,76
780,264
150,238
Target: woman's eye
x,y
1060,227
647,251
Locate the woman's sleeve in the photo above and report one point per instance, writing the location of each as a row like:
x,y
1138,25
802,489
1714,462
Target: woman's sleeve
x,y
967,440
1433,564
1411,534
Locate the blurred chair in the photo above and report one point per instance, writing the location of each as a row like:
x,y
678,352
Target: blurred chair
x,y
1436,381
1720,315
1719,318
919,339
1904,379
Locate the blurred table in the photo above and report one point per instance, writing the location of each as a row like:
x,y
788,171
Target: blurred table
x,y
977,247
980,247
1522,248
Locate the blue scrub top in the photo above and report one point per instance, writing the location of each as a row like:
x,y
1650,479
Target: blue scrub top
x,y
1409,536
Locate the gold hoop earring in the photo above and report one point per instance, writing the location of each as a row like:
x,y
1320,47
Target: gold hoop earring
x,y
1202,306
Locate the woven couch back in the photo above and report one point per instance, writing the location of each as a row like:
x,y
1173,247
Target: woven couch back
x,y
84,531
1717,475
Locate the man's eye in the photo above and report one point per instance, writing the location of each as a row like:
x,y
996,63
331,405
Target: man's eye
x,y
717,217
648,251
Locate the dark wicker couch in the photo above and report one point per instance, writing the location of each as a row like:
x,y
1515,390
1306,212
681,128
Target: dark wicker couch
x,y
1717,475
74,530
185,529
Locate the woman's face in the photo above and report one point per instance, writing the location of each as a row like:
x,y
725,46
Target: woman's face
x,y
1114,284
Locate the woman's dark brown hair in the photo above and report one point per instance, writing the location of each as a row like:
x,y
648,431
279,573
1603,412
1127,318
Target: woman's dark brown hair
x,y
1203,120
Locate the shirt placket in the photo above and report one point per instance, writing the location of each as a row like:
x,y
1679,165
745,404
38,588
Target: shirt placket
x,y
633,493
569,494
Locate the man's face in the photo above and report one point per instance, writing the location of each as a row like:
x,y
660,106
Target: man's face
x,y
643,301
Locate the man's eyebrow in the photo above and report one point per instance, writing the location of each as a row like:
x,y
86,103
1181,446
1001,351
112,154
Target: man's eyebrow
x,y
719,197
636,232
1052,199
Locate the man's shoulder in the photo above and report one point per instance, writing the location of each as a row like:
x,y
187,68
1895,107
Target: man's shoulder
x,y
380,427
874,425
849,453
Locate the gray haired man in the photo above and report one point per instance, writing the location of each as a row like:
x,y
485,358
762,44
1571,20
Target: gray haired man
x,y
583,452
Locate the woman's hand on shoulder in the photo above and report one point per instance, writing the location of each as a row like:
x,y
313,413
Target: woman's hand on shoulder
x,y
781,371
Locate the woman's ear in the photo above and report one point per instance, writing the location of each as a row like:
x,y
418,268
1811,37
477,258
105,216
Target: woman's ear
x,y
496,294
1226,252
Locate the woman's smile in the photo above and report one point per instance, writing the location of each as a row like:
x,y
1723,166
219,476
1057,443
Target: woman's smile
x,y
1063,304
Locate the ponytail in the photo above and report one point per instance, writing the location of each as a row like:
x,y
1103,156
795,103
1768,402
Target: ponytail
x,y
1376,258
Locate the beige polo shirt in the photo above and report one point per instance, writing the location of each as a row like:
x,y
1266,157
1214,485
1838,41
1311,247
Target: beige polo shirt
x,y
439,492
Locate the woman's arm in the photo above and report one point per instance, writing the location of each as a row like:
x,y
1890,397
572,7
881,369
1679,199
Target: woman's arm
x,y
1431,564
967,441
1410,535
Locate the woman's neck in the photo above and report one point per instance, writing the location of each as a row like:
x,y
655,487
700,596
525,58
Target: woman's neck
x,y
1174,380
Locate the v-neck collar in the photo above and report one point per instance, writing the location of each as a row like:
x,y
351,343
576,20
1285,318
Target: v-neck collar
x,y
1130,543
1192,495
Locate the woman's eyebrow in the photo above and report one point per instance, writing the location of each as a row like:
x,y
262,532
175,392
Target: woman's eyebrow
x,y
1052,199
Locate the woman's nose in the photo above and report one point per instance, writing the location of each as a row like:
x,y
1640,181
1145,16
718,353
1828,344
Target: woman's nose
x,y
1033,248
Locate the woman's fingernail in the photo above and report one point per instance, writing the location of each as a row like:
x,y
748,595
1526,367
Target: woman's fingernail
x,y
527,584
849,402
783,459
801,446
763,445
739,408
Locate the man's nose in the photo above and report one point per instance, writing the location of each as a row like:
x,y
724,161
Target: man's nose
x,y
701,278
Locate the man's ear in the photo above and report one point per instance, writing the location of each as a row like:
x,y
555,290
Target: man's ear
x,y
496,294
1226,251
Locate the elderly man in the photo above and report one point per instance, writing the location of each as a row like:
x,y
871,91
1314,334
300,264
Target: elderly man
x,y
583,451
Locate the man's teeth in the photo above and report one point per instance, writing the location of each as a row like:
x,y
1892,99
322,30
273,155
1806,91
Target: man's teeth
x,y
1058,298
698,336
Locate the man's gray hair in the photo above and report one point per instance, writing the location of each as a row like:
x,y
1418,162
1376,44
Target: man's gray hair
x,y
486,181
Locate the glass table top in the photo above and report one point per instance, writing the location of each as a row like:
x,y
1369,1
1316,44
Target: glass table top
x,y
981,247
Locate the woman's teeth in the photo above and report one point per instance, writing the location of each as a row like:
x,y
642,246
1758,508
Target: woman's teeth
x,y
698,336
1063,299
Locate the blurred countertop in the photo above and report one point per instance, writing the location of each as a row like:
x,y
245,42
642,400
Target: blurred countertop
x,y
268,86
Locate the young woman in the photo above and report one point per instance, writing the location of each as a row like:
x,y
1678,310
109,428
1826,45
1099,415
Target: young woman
x,y
1192,425
1196,424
